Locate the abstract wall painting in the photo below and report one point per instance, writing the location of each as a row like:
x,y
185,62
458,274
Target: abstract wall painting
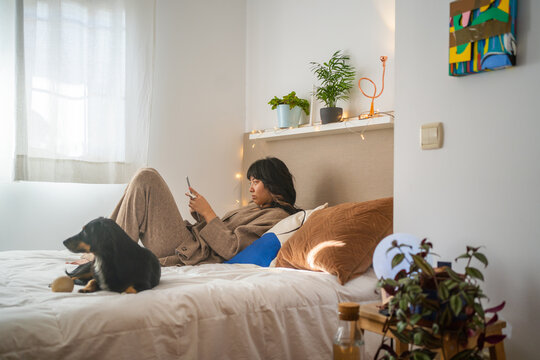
x,y
482,36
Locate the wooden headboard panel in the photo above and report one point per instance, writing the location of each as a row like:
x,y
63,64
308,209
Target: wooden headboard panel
x,y
333,168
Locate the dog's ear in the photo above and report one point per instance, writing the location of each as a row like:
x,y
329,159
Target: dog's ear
x,y
95,235
111,234
117,230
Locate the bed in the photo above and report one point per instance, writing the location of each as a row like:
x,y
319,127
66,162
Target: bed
x,y
210,311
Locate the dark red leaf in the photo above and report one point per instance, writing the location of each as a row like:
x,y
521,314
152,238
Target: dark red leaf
x,y
400,275
390,290
493,320
480,341
494,339
496,308
388,348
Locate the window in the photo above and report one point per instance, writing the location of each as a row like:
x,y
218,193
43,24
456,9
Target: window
x,y
83,89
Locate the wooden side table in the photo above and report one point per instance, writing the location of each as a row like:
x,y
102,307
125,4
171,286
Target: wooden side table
x,y
371,320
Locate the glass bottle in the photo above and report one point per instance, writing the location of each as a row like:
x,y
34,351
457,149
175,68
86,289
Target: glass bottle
x,y
348,342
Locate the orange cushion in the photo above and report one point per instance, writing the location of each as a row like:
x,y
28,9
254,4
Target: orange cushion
x,y
339,240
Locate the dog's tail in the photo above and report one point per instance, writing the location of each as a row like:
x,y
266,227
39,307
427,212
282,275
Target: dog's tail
x,y
81,274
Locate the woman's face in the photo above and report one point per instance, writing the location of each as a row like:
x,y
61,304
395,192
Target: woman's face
x,y
259,194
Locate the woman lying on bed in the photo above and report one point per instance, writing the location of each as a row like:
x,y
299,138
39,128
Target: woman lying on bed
x,y
148,211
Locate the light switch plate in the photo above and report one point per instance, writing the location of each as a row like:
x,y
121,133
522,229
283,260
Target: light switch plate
x,y
431,136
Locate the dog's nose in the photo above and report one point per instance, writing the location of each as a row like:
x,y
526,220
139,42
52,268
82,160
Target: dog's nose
x,y
67,242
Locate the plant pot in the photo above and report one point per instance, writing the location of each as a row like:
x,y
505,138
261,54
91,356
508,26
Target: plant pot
x,y
331,114
288,117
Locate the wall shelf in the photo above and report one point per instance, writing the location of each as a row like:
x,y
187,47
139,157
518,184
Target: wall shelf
x,y
355,126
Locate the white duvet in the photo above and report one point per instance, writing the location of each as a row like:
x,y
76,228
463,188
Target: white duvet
x,y
218,311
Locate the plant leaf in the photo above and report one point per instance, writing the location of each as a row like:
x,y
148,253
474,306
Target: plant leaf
x,y
443,292
474,272
479,309
423,265
386,348
465,354
400,336
481,257
417,338
496,308
397,259
494,339
391,290
456,304
418,355
415,318
401,274
400,314
453,275
446,317
493,320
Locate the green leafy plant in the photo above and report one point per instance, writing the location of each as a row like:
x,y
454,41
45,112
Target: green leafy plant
x,y
336,77
428,304
292,100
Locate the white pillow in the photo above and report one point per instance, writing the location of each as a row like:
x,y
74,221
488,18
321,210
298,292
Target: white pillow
x,y
288,226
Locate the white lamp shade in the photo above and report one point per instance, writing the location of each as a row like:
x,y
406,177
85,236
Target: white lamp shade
x,y
382,260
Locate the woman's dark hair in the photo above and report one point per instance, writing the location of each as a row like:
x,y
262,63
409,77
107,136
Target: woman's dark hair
x,y
278,180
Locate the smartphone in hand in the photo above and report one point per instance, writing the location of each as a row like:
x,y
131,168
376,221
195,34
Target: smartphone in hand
x,y
189,186
194,214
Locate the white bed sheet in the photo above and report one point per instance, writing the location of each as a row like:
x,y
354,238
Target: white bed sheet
x,y
217,311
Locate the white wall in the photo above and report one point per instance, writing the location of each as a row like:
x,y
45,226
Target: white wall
x,y
42,215
198,112
196,128
481,188
283,37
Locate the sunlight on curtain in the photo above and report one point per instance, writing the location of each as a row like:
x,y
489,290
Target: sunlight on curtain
x,y
84,92
7,88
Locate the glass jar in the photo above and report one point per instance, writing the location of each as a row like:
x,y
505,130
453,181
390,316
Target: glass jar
x,y
348,341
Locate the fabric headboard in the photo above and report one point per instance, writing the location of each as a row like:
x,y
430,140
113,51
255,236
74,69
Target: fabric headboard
x,y
332,168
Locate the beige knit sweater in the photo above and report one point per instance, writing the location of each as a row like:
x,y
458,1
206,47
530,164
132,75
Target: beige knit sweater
x,y
221,239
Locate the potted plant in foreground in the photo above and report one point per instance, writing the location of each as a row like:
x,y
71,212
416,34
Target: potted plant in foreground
x,y
336,77
429,306
289,109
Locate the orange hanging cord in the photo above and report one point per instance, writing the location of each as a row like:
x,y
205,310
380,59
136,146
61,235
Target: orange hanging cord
x,y
371,112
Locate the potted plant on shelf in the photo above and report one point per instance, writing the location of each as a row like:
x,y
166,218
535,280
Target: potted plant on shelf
x,y
289,109
336,77
429,306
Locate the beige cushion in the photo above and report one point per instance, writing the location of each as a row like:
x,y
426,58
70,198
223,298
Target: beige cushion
x,y
339,240
288,226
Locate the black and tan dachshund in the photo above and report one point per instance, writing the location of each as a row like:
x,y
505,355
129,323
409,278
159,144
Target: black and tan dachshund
x,y
119,264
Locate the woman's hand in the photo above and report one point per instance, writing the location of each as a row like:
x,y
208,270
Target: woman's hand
x,y
198,204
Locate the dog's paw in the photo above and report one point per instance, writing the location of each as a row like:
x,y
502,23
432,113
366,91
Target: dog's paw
x,y
92,286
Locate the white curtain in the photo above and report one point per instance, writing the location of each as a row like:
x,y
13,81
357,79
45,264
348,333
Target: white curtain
x,y
7,89
83,88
